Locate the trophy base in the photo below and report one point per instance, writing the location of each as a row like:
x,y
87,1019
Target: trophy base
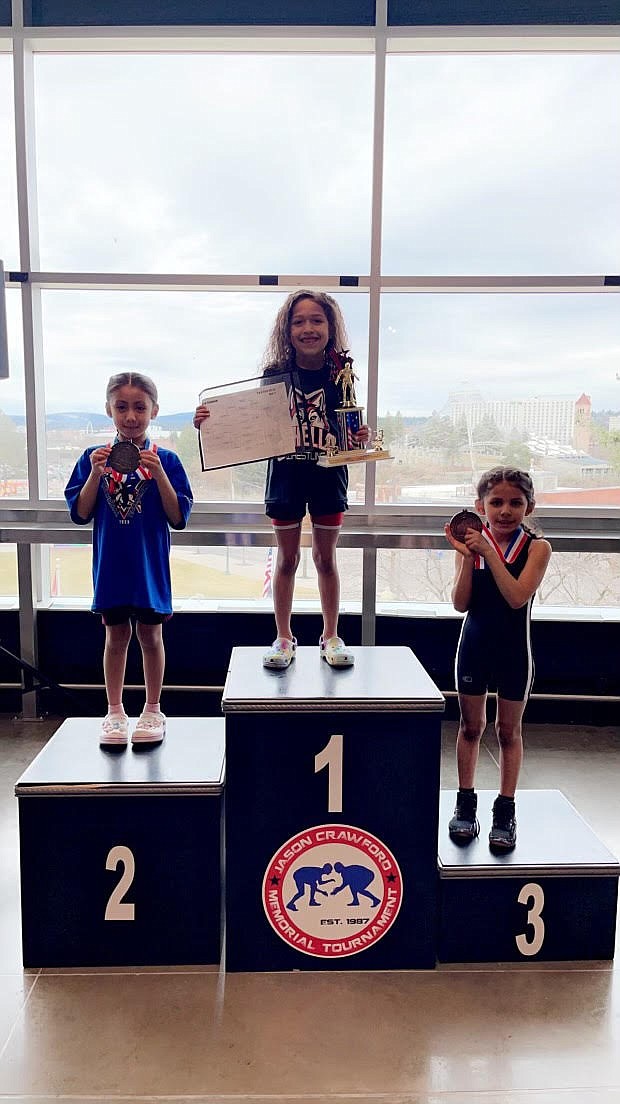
x,y
352,456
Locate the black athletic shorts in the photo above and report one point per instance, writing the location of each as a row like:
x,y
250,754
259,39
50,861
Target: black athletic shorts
x,y
119,615
296,485
484,662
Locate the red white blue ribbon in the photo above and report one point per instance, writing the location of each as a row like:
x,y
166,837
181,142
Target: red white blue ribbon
x,y
514,547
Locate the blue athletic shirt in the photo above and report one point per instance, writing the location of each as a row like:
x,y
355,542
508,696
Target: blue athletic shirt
x,y
131,533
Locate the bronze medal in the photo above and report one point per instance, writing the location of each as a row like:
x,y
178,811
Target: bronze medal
x,y
124,457
461,522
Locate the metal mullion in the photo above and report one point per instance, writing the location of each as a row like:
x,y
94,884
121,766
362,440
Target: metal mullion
x,y
369,557
369,595
201,38
29,557
27,585
374,306
499,39
25,158
149,281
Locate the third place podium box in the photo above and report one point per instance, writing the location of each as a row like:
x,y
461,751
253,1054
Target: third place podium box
x,y
332,786
553,898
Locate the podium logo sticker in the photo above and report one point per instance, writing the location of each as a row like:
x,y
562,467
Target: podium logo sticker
x,y
332,890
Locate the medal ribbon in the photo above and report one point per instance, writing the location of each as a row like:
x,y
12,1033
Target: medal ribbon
x,y
515,545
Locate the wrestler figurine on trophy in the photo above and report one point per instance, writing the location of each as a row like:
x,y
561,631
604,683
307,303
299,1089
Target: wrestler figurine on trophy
x,y
350,419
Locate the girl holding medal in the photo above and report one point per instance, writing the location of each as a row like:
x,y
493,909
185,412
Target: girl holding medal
x,y
135,493
497,573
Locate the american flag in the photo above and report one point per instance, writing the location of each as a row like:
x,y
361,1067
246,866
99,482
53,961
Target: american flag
x,y
268,573
55,585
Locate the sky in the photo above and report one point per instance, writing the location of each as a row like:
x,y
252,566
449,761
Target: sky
x,y
263,164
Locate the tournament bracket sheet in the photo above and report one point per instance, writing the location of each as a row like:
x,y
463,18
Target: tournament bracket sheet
x,y
247,425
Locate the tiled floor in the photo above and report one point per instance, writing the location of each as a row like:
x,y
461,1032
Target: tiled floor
x,y
524,1034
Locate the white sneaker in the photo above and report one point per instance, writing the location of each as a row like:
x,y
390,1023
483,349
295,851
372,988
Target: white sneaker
x,y
335,651
281,652
114,731
150,729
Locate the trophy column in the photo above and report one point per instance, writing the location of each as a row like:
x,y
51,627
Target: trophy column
x,y
332,785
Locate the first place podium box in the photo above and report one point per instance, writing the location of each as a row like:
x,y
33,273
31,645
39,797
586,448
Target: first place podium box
x,y
332,787
120,849
553,898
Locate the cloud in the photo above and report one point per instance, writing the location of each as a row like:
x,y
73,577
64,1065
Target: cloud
x,y
257,163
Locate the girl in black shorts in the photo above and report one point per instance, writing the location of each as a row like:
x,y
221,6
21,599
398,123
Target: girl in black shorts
x,y
497,574
308,339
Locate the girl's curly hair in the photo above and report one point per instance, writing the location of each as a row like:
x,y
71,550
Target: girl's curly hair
x,y
279,352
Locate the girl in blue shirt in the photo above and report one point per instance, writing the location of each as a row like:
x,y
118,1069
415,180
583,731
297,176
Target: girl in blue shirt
x,y
132,514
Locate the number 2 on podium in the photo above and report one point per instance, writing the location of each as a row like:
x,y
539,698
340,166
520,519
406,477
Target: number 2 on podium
x,y
331,757
117,909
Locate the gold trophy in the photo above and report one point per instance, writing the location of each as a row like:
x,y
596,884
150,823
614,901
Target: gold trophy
x,y
350,419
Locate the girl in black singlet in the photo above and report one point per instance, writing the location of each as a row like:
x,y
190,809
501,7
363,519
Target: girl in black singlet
x,y
497,574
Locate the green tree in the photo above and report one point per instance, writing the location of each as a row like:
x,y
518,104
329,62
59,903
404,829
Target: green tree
x,y
517,454
487,434
606,445
393,427
186,448
12,450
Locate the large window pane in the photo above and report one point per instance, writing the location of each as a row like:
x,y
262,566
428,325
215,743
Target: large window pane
x,y
507,164
8,571
9,237
575,582
469,381
13,455
186,341
227,577
198,163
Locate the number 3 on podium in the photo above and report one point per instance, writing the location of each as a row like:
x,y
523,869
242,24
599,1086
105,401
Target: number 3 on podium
x,y
534,893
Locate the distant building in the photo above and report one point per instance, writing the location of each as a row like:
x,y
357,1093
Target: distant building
x,y
583,423
557,418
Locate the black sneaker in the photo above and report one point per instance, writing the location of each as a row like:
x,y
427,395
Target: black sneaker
x,y
503,834
464,825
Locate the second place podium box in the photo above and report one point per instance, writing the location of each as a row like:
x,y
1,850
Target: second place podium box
x,y
120,850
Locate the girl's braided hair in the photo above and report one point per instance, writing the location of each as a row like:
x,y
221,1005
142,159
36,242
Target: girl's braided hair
x,y
518,478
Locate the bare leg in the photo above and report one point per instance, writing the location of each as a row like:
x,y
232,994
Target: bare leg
x,y
117,639
287,562
472,725
508,729
324,543
153,659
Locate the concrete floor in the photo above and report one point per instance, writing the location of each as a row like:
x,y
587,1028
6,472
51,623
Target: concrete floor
x,y
529,1033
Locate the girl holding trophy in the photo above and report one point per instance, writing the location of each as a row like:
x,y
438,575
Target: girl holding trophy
x,y
309,341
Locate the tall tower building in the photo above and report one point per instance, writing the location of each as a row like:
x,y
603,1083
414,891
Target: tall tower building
x,y
583,423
